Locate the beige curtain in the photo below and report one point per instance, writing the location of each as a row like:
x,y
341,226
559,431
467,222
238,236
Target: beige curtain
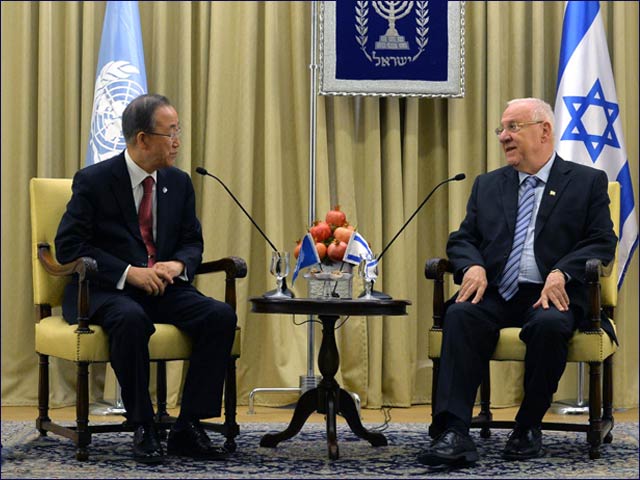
x,y
238,75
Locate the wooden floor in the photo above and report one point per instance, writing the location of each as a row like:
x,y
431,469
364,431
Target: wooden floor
x,y
415,414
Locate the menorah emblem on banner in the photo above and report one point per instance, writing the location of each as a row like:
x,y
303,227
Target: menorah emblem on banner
x,y
391,11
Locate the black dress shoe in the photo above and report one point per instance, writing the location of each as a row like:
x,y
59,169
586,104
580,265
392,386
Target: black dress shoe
x,y
194,442
451,447
146,445
524,443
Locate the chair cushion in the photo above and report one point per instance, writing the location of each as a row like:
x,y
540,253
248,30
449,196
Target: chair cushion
x,y
56,338
583,346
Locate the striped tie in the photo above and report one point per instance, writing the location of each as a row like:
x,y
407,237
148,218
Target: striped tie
x,y
509,283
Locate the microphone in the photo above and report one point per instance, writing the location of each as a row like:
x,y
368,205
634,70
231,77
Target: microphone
x,y
381,295
285,291
457,178
203,172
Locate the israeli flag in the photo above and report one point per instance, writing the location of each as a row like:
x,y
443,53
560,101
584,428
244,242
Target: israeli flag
x,y
588,124
120,78
308,256
357,250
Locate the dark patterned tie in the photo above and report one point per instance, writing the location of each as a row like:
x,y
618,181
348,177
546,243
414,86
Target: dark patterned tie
x,y
509,283
145,219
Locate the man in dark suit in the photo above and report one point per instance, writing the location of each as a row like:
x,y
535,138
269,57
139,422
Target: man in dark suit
x,y
519,257
135,215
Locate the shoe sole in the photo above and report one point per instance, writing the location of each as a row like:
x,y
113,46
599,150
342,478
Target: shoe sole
x,y
180,453
435,460
515,456
149,461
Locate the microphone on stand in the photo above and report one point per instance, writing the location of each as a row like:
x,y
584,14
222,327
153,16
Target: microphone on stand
x,y
203,171
456,178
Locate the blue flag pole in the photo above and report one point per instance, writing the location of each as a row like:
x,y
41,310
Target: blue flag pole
x,y
120,78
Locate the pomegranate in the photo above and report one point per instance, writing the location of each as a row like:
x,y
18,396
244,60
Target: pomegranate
x,y
336,250
322,250
343,234
336,217
320,231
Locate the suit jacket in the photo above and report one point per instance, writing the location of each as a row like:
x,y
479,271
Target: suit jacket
x,y
101,222
573,225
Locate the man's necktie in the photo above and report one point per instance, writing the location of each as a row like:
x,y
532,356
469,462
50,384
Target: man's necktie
x,y
509,283
145,218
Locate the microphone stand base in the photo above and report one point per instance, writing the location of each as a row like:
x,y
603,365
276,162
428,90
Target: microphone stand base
x,y
376,295
284,294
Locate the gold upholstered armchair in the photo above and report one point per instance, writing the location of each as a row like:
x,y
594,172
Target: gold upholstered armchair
x,y
85,344
592,346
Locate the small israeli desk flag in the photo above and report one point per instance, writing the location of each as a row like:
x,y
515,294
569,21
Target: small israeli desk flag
x,y
120,78
588,124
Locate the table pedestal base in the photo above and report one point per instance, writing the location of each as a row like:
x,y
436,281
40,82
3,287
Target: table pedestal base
x,y
331,402
327,398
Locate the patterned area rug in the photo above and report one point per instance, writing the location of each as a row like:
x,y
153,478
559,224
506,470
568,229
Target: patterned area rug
x,y
26,455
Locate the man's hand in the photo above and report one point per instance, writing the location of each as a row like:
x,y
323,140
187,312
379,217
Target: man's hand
x,y
168,270
146,279
554,291
475,282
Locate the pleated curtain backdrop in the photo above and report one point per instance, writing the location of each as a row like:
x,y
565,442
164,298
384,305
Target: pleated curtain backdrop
x,y
238,73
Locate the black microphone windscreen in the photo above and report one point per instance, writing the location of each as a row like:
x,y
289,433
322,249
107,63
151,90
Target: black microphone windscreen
x,y
460,176
201,171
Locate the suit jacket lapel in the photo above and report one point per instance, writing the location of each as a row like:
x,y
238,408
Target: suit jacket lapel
x,y
559,178
509,188
121,185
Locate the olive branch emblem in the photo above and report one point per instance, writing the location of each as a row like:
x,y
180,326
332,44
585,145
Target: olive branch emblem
x,y
362,12
422,19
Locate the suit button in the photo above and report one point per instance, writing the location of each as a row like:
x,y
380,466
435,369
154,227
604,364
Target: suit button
x,y
144,264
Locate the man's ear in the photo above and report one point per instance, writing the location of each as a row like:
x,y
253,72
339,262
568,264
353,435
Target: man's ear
x,y
546,132
141,140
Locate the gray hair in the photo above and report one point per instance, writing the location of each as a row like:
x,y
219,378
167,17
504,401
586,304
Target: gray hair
x,y
541,109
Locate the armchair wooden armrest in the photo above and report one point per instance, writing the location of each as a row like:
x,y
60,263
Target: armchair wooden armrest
x,y
594,270
434,269
81,266
234,267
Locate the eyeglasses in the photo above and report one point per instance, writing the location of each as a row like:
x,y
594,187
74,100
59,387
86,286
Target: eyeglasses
x,y
173,135
514,127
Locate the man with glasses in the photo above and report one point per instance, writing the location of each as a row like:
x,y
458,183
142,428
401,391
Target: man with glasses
x,y
519,257
135,215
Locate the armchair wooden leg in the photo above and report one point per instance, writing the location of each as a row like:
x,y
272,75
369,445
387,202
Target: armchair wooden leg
x,y
594,435
43,394
83,435
485,414
230,403
607,400
162,415
434,391
161,389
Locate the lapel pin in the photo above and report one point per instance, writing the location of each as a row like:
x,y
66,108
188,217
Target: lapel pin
x,y
164,190
552,193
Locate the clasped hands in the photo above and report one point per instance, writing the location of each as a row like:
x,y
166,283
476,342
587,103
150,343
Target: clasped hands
x,y
153,280
474,284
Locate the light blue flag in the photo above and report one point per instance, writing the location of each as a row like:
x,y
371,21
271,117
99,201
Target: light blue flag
x,y
308,256
588,124
357,250
120,78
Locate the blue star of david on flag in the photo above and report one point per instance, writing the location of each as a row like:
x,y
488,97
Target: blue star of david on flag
x,y
587,113
577,130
